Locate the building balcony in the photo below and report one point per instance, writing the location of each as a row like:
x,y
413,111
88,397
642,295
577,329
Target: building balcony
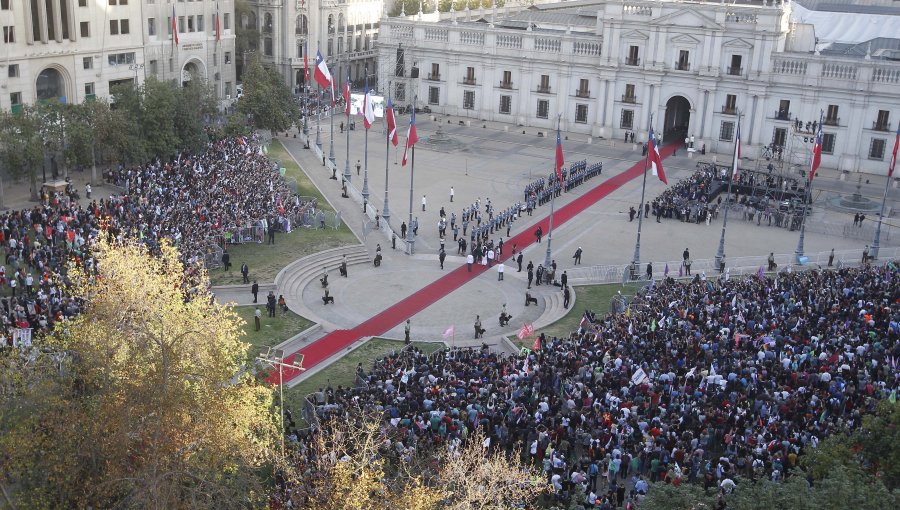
x,y
632,61
468,81
433,77
782,115
729,110
736,71
629,99
831,121
506,85
881,126
682,66
583,93
543,90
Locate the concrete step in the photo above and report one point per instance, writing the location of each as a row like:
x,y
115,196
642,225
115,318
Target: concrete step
x,y
317,260
295,282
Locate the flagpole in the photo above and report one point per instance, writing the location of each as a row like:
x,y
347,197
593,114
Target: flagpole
x,y
331,140
808,194
410,240
347,110
876,244
306,89
720,255
548,258
385,210
366,99
636,261
319,120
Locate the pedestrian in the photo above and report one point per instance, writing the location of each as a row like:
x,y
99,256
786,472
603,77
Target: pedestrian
x,y
272,234
87,190
856,219
256,317
564,279
831,257
441,256
479,331
530,277
245,272
254,289
490,257
861,218
567,295
358,166
519,261
406,332
270,303
500,269
577,256
451,193
538,233
282,304
226,260
423,203
470,259
403,230
865,255
687,267
772,264
393,240
649,270
685,254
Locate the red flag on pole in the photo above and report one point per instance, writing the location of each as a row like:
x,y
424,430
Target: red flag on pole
x,y
411,137
559,156
347,96
894,154
218,28
174,26
391,123
655,158
817,152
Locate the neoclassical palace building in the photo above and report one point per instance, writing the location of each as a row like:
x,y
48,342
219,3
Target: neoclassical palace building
x,y
74,50
695,66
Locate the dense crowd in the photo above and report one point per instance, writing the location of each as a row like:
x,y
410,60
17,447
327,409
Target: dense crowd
x,y
192,201
699,381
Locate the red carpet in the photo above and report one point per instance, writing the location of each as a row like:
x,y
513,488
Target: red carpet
x,y
333,342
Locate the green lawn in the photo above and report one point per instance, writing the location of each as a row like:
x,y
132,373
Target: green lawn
x,y
343,371
273,331
266,260
595,298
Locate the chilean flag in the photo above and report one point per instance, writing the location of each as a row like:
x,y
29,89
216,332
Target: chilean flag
x,y
347,95
218,30
174,26
736,169
655,159
391,124
559,156
817,152
411,137
894,154
368,110
321,73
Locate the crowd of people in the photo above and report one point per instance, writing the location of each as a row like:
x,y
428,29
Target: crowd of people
x,y
192,201
697,381
687,200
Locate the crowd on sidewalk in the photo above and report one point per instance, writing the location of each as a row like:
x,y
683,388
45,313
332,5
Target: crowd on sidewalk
x,y
698,381
191,201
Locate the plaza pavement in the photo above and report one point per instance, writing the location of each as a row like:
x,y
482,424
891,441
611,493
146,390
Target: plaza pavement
x,y
497,162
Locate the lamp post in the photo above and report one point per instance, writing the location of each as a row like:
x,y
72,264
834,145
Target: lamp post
x,y
275,358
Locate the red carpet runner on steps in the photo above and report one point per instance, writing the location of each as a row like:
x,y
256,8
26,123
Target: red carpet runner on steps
x,y
335,341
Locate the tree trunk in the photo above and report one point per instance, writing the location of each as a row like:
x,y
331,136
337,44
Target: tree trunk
x,y
34,190
93,166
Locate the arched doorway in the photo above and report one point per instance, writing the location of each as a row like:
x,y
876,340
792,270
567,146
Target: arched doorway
x,y
192,69
50,85
678,118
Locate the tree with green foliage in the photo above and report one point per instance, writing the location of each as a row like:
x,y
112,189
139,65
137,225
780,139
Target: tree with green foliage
x,y
246,38
21,146
195,104
159,102
267,100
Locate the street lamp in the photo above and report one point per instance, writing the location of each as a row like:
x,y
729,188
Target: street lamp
x,y
275,358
